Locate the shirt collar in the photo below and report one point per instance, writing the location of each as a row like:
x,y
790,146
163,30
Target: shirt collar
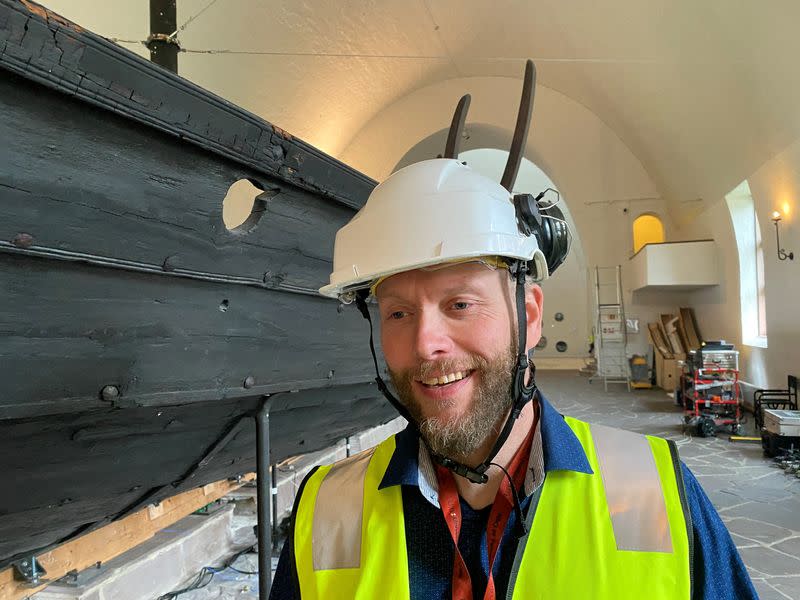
x,y
561,449
403,466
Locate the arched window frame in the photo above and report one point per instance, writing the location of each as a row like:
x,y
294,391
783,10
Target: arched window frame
x,y
752,290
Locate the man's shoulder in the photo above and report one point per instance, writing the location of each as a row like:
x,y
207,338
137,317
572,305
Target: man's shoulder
x,y
614,431
355,466
354,462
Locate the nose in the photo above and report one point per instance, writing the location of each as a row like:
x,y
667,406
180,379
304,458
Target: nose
x,y
432,336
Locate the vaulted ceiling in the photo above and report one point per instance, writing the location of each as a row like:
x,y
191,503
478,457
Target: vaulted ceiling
x,y
702,93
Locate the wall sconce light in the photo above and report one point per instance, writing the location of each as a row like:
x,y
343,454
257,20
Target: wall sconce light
x,y
782,255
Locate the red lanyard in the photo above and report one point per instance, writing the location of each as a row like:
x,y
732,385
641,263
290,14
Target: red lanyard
x,y
498,517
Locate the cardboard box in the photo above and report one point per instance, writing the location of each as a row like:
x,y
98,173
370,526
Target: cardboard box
x,y
668,372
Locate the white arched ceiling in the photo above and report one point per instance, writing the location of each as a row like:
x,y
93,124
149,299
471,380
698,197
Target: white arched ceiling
x,y
590,165
703,93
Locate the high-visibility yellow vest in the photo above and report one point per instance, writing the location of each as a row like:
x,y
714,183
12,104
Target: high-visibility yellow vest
x,y
622,532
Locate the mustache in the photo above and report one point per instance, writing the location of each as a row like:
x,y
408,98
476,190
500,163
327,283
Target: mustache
x,y
436,368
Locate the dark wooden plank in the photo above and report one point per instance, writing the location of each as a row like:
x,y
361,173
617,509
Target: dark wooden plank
x,y
107,453
69,471
43,526
87,183
48,49
68,331
80,180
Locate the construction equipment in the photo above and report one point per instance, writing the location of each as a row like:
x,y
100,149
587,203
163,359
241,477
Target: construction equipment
x,y
782,422
781,432
611,340
710,391
640,373
774,399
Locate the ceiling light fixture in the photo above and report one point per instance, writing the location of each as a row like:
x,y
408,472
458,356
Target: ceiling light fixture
x,y
782,255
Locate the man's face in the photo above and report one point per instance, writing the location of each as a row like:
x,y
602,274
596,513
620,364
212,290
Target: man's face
x,y
449,339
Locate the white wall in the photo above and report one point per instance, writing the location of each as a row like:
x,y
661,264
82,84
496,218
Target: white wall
x,y
774,186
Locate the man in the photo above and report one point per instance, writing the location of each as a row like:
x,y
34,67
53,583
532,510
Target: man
x,y
489,492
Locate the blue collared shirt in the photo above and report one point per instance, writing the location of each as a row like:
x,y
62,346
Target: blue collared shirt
x,y
719,573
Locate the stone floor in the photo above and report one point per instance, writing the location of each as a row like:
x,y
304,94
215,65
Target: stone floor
x,y
757,501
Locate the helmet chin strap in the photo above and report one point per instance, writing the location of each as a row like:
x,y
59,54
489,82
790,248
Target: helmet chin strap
x,y
520,392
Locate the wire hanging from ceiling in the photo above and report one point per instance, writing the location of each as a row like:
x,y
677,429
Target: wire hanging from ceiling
x,y
485,59
314,54
121,41
174,34
446,57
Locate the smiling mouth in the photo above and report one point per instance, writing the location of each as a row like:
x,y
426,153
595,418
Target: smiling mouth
x,y
445,379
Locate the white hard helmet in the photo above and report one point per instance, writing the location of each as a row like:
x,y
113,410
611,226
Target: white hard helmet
x,y
429,213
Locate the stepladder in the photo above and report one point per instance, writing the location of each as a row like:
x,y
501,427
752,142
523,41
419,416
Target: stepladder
x,y
610,333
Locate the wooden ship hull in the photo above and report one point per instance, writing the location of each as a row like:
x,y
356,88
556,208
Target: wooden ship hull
x,y
140,336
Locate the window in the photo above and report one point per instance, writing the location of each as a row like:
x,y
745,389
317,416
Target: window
x,y
752,292
647,229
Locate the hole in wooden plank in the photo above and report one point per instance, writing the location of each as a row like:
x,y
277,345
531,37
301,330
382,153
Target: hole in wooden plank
x,y
223,306
242,208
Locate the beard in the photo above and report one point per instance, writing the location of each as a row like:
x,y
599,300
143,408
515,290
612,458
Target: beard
x,y
458,437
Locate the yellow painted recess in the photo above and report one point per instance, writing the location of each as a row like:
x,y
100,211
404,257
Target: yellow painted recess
x,y
647,229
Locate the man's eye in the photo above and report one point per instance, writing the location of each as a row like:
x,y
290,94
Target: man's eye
x,y
398,314
461,305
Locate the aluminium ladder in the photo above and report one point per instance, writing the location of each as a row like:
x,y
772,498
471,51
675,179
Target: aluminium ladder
x,y
610,337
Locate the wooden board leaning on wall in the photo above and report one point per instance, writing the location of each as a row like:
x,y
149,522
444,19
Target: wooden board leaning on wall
x,y
675,335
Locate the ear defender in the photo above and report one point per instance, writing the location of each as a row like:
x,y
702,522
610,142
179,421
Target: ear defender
x,y
547,224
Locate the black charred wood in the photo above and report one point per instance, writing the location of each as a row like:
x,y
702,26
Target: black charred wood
x,y
120,372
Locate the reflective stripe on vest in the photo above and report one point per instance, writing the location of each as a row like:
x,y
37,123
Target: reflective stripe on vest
x,y
619,533
633,490
582,543
349,537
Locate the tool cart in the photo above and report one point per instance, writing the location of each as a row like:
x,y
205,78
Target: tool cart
x,y
709,389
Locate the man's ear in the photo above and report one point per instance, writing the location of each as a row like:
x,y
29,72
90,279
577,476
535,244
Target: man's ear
x,y
534,304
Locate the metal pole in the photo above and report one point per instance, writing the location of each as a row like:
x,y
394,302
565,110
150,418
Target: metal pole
x,y
264,497
274,499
